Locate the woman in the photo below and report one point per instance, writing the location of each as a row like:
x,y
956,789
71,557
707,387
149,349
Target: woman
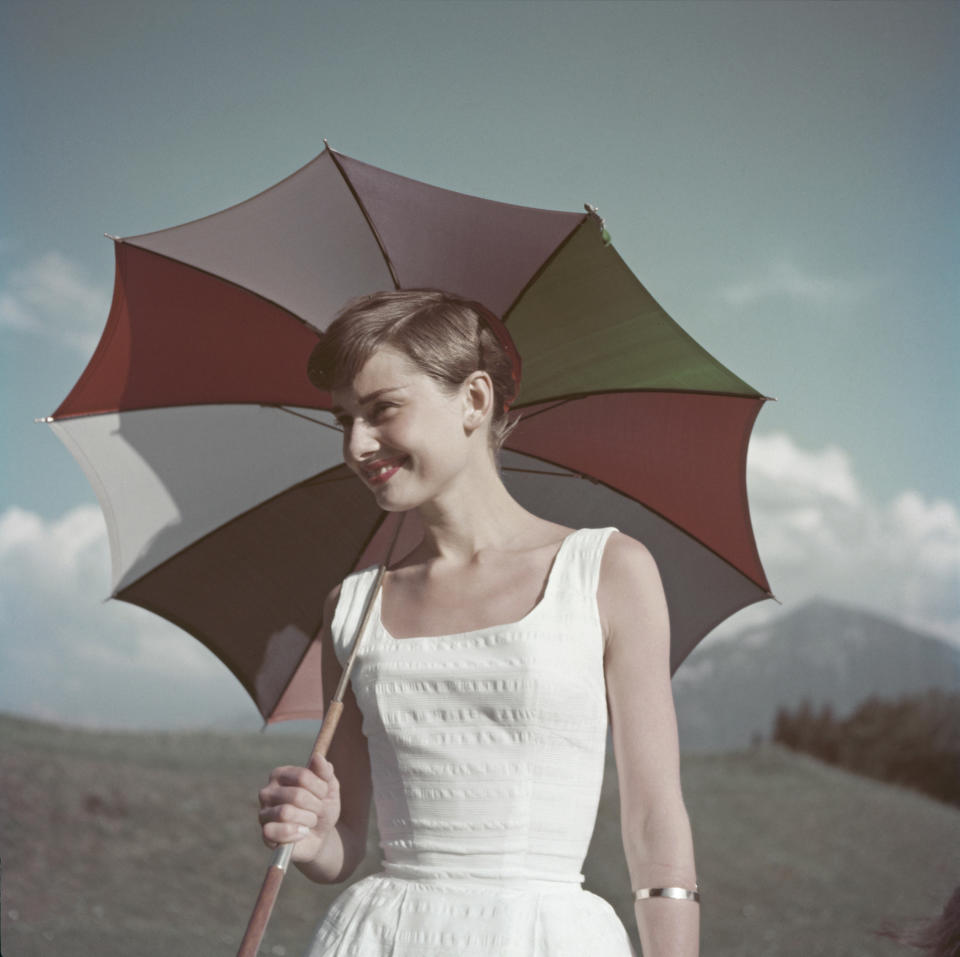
x,y
497,650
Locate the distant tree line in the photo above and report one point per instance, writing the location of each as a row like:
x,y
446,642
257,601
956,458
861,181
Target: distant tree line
x,y
913,740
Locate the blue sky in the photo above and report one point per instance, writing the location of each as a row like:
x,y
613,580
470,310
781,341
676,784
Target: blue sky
x,y
782,177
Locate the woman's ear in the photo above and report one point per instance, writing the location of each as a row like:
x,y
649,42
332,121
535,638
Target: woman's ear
x,y
478,398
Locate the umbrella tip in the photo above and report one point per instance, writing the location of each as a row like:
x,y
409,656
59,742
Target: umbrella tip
x,y
45,418
116,239
593,213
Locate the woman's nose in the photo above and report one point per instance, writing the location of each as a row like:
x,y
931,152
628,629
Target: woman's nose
x,y
360,441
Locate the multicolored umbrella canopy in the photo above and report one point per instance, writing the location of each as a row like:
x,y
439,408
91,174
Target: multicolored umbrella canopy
x,y
218,465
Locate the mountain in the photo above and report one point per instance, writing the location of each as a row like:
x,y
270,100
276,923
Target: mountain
x,y
728,690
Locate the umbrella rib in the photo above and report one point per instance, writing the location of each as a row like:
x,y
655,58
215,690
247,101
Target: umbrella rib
x,y
547,408
544,265
627,390
366,216
576,397
328,479
509,468
93,413
300,415
317,479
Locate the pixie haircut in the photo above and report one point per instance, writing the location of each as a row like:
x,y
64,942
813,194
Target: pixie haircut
x,y
445,336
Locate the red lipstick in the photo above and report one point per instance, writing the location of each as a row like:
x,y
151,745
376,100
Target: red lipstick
x,y
380,472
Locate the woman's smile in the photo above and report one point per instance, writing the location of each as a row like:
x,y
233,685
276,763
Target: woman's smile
x,y
382,470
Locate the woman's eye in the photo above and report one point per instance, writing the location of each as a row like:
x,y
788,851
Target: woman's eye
x,y
381,408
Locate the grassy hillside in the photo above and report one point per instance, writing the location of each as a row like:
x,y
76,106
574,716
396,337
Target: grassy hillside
x,y
147,845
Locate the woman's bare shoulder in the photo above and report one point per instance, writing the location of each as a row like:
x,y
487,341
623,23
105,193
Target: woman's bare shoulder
x,y
625,556
630,586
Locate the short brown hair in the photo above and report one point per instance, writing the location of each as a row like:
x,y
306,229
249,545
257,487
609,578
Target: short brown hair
x,y
445,336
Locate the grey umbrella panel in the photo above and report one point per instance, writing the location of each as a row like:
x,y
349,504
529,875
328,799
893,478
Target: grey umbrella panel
x,y
168,477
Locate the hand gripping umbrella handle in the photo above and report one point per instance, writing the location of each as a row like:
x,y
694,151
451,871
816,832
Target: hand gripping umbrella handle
x,y
277,870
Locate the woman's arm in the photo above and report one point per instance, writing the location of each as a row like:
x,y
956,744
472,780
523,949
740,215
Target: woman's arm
x,y
331,797
656,830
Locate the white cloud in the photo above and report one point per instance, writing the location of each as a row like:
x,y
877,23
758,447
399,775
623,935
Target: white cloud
x,y
67,654
777,466
820,535
15,316
786,280
52,296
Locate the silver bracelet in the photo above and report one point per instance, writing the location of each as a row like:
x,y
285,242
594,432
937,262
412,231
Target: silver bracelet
x,y
676,893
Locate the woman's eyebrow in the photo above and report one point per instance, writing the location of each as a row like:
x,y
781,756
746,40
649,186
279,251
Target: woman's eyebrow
x,y
365,399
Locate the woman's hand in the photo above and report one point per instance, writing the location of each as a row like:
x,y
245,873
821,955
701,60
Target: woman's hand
x,y
300,805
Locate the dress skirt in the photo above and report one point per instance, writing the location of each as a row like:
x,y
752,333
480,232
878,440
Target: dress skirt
x,y
383,916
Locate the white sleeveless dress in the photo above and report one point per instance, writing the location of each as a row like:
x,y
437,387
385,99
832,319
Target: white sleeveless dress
x,y
487,756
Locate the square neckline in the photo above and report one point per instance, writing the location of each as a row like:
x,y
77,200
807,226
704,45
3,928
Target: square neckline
x,y
547,590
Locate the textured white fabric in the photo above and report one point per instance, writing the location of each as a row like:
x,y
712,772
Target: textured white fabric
x,y
487,755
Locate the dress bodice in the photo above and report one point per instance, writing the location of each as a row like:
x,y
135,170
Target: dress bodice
x,y
487,746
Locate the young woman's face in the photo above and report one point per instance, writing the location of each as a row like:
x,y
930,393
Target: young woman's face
x,y
402,433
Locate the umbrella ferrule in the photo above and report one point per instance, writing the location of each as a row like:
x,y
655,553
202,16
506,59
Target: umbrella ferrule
x,y
594,214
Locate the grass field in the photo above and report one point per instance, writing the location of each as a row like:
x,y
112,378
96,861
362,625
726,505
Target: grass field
x,y
145,845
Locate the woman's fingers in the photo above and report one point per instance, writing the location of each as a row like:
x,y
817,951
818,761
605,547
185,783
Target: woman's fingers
x,y
274,833
290,776
298,797
297,802
300,786
289,814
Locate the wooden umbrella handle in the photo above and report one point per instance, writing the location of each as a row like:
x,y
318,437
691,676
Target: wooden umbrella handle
x,y
261,912
327,730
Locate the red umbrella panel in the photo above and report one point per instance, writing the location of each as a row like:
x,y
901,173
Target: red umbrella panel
x,y
219,467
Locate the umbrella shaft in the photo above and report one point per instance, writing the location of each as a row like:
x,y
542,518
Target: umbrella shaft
x,y
265,901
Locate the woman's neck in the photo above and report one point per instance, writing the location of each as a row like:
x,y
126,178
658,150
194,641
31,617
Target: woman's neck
x,y
476,515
